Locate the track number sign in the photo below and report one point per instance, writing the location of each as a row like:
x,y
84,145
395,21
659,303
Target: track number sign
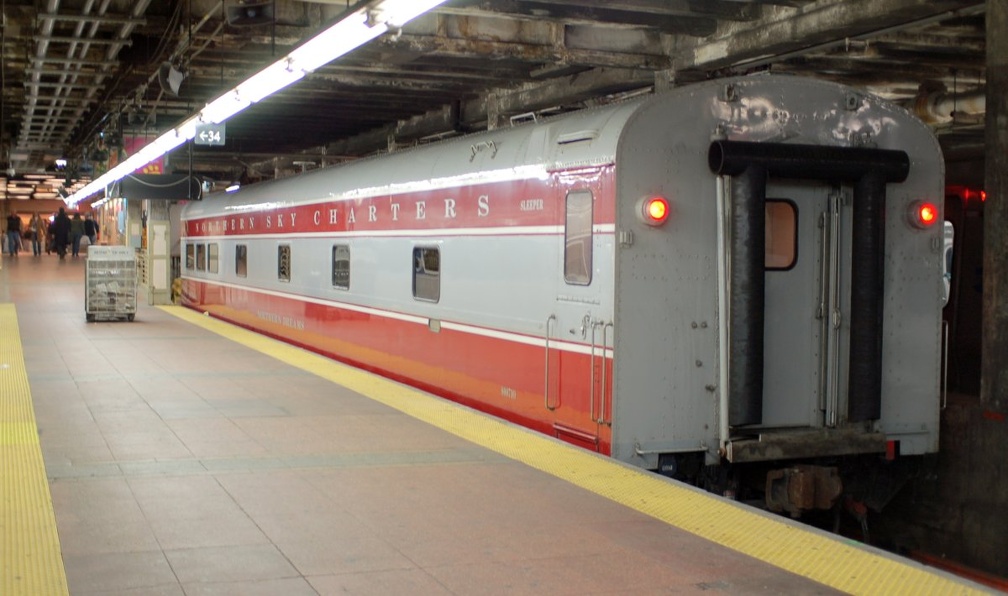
x,y
210,134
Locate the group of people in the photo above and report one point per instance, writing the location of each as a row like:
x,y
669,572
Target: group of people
x,y
63,232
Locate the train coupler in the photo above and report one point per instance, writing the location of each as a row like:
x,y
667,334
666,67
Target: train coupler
x,y
801,488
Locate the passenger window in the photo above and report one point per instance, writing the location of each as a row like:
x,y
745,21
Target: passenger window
x,y
781,234
284,262
578,238
241,260
201,257
190,257
212,257
341,266
426,273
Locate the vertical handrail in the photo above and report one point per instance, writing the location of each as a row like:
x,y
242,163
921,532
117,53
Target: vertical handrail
x,y
825,223
549,320
602,410
723,256
833,317
591,374
945,363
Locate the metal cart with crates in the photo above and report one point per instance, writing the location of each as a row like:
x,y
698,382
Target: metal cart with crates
x,y
110,290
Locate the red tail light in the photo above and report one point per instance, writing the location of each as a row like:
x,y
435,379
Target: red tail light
x,y
923,214
654,210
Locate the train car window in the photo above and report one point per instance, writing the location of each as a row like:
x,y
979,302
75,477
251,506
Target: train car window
x,y
341,266
190,256
212,257
201,257
781,234
241,260
578,238
426,273
284,262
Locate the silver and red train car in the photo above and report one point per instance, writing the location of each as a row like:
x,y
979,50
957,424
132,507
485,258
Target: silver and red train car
x,y
742,272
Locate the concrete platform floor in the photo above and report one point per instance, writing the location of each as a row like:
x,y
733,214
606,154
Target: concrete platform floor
x,y
181,462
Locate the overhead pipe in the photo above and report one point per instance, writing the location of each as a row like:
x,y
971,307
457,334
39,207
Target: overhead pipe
x,y
749,165
939,107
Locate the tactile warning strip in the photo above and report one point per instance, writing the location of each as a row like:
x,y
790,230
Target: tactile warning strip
x,y
827,559
30,551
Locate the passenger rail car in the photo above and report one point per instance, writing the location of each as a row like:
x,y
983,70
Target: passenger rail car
x,y
734,272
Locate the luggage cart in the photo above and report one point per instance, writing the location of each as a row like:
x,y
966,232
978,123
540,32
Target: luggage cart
x,y
110,290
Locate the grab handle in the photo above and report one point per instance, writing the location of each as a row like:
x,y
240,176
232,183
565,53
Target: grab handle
x,y
551,319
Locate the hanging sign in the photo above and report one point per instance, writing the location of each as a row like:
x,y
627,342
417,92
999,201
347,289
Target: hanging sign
x,y
210,134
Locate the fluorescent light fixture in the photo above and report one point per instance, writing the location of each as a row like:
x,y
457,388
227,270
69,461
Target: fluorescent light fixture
x,y
269,80
223,107
187,129
343,37
351,32
396,13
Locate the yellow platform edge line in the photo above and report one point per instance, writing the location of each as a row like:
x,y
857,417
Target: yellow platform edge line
x,y
30,558
823,558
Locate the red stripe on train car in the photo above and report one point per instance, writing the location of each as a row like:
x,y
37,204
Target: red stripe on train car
x,y
495,375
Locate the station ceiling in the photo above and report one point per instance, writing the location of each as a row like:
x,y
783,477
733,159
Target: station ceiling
x,y
79,76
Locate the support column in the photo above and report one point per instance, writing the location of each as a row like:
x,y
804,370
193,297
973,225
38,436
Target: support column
x,y
664,80
157,253
994,371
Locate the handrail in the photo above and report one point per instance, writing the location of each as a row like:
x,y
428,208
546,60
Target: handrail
x,y
602,411
546,383
945,364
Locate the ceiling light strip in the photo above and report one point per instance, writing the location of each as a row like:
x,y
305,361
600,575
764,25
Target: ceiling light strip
x,y
351,32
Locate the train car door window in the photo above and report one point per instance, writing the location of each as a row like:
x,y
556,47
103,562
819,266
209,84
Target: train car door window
x,y
781,234
201,257
578,238
426,273
284,262
213,250
241,260
190,257
341,266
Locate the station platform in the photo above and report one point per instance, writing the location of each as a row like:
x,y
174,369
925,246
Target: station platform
x,y
176,454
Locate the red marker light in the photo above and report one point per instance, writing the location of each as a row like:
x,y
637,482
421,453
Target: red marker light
x,y
654,210
923,214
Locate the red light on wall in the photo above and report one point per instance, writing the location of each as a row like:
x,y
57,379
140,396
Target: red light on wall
x,y
654,211
969,194
923,214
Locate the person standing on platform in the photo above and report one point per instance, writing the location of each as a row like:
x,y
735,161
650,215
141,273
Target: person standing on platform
x,y
38,231
61,232
76,233
90,229
13,233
